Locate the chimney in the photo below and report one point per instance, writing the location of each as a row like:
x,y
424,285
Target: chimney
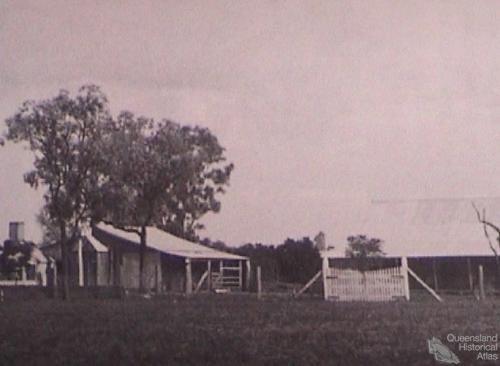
x,y
16,231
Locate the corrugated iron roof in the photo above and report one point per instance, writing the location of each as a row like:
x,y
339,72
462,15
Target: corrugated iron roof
x,y
423,227
96,244
171,244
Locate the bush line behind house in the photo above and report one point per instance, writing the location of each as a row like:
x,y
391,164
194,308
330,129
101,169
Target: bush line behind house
x,y
297,260
293,261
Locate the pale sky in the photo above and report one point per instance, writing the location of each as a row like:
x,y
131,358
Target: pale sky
x,y
322,105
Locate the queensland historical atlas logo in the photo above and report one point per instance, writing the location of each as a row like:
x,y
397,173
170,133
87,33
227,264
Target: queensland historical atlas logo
x,y
441,352
483,347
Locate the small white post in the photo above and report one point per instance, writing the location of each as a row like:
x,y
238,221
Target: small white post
x,y
249,274
481,283
23,274
406,283
42,268
189,277
80,263
325,268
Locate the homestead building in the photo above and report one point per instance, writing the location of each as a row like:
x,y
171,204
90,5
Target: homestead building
x,y
25,264
107,256
441,240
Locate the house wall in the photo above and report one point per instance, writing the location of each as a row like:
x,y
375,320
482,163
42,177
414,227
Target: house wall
x,y
173,273
95,266
163,271
102,278
95,269
129,270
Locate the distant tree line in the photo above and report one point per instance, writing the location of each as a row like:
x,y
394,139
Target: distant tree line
x,y
293,261
298,260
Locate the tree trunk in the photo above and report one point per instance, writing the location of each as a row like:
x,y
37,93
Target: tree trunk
x,y
65,261
142,252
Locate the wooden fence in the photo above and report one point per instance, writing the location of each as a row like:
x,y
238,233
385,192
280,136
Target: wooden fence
x,y
228,276
10,283
384,284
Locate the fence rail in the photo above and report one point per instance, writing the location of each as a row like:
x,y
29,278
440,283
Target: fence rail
x,y
19,283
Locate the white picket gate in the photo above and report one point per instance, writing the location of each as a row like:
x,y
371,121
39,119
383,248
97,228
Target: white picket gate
x,y
385,284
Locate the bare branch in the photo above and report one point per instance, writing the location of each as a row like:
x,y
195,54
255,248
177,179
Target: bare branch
x,y
485,228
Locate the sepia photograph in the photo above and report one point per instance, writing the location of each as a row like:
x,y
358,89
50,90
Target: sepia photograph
x,y
268,182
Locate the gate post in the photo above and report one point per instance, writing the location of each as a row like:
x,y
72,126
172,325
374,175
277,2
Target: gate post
x,y
326,288
406,284
189,277
209,278
482,294
259,283
248,276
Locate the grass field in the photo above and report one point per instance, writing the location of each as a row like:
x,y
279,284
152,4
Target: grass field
x,y
234,330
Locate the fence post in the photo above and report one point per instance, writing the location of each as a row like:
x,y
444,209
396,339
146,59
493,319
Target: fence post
x,y
259,283
240,274
481,283
326,287
406,284
23,274
209,278
80,264
189,277
248,276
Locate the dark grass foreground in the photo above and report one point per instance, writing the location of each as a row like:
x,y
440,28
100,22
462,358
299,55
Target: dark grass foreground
x,y
234,330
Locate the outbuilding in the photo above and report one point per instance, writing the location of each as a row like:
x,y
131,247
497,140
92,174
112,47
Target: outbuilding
x,y
440,240
107,256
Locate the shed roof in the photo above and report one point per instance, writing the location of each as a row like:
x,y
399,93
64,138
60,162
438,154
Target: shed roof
x,y
422,227
54,249
96,244
171,244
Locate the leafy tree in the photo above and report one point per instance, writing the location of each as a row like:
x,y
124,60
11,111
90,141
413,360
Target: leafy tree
x,y
298,260
264,256
50,230
64,134
294,261
217,244
361,246
161,174
15,256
